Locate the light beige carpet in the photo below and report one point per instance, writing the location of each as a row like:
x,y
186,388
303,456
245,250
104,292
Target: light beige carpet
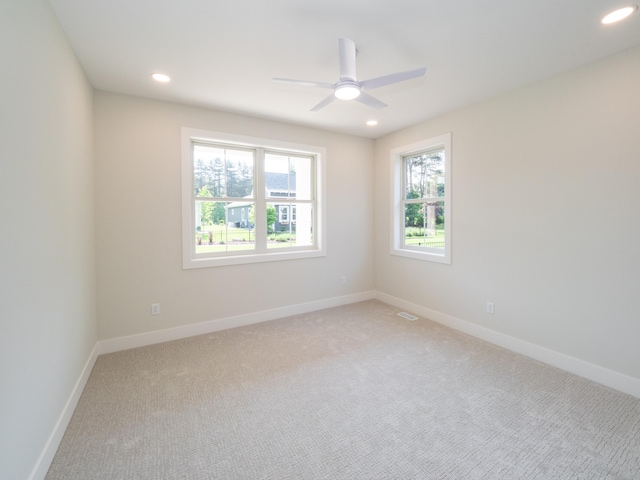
x,y
354,392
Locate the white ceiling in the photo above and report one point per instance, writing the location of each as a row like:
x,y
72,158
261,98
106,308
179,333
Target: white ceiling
x,y
223,54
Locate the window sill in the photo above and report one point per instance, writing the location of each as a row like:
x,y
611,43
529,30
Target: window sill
x,y
422,255
204,262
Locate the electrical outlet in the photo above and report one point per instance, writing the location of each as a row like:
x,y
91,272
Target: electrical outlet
x,y
343,279
155,309
490,308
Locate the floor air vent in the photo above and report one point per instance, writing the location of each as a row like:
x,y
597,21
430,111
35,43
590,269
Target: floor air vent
x,y
408,316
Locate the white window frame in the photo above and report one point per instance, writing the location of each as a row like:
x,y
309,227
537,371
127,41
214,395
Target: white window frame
x,y
397,201
192,260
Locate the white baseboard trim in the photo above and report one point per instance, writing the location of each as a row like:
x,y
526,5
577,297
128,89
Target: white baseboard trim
x,y
604,376
176,333
596,373
46,457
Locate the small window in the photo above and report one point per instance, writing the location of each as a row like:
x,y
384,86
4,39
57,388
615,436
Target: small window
x,y
421,200
284,214
233,190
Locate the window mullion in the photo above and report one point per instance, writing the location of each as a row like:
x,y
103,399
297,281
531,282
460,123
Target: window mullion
x,y
260,227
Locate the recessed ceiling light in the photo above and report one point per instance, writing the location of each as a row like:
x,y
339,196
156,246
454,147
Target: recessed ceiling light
x,y
372,123
619,14
161,77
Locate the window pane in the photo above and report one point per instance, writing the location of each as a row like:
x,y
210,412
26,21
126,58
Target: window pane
x,y
424,224
424,175
289,225
223,227
222,172
301,167
288,176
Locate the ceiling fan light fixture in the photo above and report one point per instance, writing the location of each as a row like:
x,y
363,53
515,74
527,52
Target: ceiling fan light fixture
x,y
619,14
347,91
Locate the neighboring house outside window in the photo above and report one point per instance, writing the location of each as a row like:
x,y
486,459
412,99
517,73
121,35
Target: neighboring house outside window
x,y
239,212
421,200
250,200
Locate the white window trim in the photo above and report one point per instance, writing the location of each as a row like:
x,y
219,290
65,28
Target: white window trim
x,y
189,259
397,192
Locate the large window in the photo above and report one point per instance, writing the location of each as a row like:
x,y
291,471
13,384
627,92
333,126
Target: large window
x,y
248,200
421,200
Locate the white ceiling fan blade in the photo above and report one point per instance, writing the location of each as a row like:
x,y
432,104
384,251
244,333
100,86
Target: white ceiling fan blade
x,y
306,83
347,51
392,78
370,101
324,103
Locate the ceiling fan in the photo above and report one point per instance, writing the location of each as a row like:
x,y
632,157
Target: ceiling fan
x,y
348,87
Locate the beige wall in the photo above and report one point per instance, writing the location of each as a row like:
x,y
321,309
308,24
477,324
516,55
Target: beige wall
x,y
546,203
138,213
47,265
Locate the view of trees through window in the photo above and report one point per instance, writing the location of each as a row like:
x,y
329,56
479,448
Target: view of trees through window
x,y
424,199
220,172
221,177
224,187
